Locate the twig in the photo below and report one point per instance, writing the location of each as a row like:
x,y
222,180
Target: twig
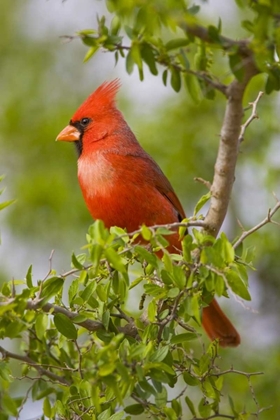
x,y
79,359
238,372
171,316
204,182
215,416
30,362
166,63
252,117
265,221
23,401
170,226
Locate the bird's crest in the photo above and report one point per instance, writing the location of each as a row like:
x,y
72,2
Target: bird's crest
x,y
100,100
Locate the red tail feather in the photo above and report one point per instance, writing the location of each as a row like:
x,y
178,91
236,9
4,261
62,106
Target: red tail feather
x,y
217,325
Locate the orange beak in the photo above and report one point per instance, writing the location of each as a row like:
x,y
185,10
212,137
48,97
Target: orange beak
x,y
69,133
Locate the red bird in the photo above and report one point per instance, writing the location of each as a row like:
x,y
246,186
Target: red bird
x,y
123,186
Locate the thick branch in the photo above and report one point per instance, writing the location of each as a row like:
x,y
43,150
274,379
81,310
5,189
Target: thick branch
x,y
89,324
229,140
202,33
227,154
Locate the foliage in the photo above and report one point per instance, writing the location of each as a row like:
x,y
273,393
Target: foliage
x,y
95,356
168,33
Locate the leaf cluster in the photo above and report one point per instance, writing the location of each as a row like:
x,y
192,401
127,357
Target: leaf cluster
x,y
173,35
87,354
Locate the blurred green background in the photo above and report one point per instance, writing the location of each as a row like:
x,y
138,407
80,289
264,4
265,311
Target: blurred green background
x,y
43,80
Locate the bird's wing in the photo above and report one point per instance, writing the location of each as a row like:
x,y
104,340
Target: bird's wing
x,y
164,187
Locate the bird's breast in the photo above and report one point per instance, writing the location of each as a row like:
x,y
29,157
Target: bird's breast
x,y
96,176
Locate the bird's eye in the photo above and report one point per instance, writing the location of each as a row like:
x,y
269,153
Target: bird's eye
x,y
85,121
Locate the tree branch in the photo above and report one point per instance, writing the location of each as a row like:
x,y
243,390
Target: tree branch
x,y
252,117
265,221
30,362
89,324
202,33
228,152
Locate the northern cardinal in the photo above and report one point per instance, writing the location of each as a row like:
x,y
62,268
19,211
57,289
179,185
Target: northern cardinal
x,y
123,186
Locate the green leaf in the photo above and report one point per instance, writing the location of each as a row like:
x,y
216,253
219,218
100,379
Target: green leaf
x,y
136,55
106,319
164,77
159,355
149,58
155,290
47,408
106,369
227,249
52,287
177,407
5,372
179,277
73,290
146,386
231,403
115,25
176,43
236,284
204,408
161,398
29,277
101,292
190,405
152,311
85,390
135,409
203,200
196,308
8,405
193,10
204,363
145,255
175,79
6,204
214,34
7,308
129,63
193,87
65,326
90,53
117,416
115,260
59,408
184,59
190,380
76,262
136,282
174,292
41,325
88,291
146,233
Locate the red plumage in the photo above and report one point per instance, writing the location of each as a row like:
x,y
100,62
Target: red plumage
x,y
123,186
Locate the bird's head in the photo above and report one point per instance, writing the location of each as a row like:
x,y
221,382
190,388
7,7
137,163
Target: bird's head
x,y
95,119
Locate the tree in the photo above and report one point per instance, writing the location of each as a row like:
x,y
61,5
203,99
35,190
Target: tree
x,y
89,355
